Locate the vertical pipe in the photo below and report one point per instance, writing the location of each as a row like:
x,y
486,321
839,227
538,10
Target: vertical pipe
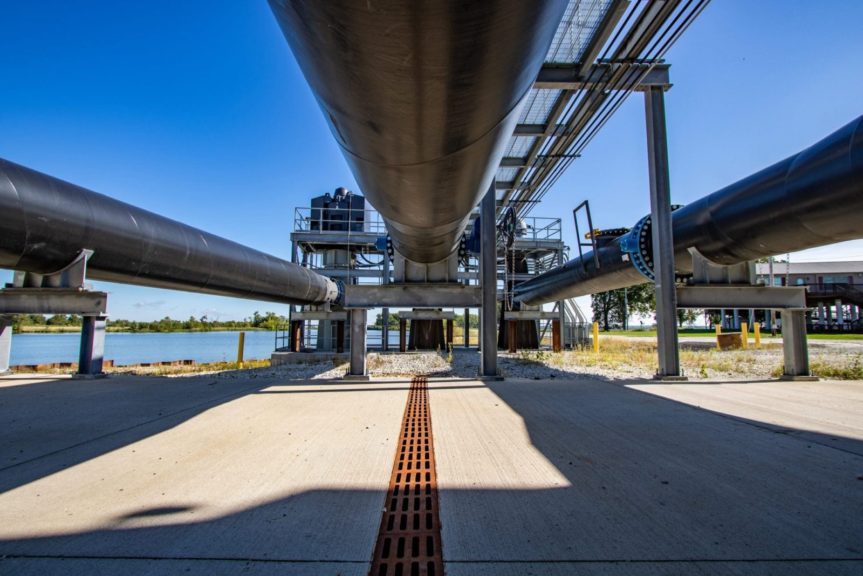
x,y
663,243
340,336
757,327
488,273
555,335
385,329
241,348
358,343
296,337
744,335
92,352
403,325
467,327
718,332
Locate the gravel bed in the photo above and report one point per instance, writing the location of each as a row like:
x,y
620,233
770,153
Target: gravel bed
x,y
701,364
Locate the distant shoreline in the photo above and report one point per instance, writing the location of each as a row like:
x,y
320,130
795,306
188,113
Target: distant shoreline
x,y
77,330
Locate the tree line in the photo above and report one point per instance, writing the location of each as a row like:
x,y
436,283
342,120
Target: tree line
x,y
267,321
612,309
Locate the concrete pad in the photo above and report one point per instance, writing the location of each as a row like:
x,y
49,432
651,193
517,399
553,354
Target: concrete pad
x,y
588,476
142,475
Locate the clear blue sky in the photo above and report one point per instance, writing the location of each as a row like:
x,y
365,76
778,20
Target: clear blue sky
x,y
197,110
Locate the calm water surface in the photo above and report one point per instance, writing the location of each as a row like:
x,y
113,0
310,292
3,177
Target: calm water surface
x,y
127,348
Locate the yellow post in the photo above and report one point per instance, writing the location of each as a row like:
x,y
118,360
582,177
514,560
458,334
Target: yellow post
x,y
241,344
757,327
596,336
744,335
718,332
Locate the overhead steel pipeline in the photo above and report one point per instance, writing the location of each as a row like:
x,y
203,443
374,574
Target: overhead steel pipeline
x,y
45,223
422,97
811,199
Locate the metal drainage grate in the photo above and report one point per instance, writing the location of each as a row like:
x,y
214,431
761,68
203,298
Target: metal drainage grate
x,y
409,539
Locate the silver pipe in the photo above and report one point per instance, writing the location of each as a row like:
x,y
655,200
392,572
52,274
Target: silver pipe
x,y
422,97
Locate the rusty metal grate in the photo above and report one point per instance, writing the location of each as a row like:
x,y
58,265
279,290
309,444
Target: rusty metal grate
x,y
409,539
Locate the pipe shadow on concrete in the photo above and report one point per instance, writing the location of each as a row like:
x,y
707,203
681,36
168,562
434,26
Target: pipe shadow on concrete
x,y
652,486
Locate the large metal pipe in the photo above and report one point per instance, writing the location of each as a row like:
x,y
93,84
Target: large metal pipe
x,y
811,199
422,98
45,223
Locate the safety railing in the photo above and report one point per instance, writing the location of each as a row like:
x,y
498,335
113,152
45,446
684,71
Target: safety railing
x,y
339,220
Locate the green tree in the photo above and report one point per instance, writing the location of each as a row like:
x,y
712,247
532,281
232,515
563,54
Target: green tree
x,y
615,306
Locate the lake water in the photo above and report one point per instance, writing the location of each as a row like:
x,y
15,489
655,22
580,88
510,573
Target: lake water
x,y
126,348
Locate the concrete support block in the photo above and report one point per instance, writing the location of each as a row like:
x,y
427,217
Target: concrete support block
x,y
795,349
358,368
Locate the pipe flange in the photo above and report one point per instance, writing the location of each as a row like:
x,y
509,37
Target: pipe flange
x,y
639,245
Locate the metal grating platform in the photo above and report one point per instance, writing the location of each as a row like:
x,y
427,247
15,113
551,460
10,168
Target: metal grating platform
x,y
409,541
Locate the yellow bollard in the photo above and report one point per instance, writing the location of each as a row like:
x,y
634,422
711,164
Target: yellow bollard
x,y
596,336
718,332
757,328
241,344
744,335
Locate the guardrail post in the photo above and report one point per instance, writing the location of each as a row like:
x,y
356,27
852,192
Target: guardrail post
x,y
241,349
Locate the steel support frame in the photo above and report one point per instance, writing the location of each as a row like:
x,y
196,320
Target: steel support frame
x,y
488,283
663,242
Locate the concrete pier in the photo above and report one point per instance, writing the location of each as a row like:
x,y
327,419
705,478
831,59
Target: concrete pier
x,y
210,475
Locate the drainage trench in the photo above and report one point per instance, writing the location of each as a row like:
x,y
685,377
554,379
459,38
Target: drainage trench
x,y
409,541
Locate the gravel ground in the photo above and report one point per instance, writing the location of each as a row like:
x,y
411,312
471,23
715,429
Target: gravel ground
x,y
618,359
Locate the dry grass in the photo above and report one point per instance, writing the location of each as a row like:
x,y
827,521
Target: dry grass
x,y
193,369
628,357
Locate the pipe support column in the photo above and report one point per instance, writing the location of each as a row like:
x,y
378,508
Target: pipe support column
x,y
794,348
663,242
92,351
358,344
488,280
